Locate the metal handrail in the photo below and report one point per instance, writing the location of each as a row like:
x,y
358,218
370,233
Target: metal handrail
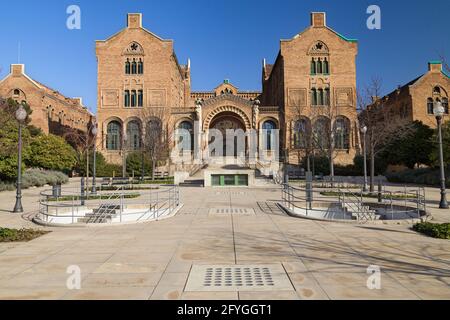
x,y
295,197
162,201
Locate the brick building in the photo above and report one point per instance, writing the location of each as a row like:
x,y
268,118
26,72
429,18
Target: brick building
x,y
311,84
414,100
52,112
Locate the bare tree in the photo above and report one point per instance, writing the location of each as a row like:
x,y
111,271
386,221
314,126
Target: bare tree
x,y
82,142
157,138
383,123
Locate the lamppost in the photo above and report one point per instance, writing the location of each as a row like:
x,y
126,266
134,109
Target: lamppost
x,y
94,131
364,131
438,112
21,115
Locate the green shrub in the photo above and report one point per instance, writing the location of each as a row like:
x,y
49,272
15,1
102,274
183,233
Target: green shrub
x,y
51,152
39,178
425,176
435,230
134,163
7,186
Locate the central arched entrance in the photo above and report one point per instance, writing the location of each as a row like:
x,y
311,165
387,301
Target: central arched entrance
x,y
228,120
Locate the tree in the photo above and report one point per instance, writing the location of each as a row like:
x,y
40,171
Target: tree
x,y
51,152
382,123
434,157
411,150
134,163
9,139
158,135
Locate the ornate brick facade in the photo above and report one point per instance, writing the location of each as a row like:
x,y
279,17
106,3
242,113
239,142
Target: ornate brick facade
x,y
414,100
52,112
138,71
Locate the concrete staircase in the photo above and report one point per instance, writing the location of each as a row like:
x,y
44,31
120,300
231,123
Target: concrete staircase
x,y
359,212
102,214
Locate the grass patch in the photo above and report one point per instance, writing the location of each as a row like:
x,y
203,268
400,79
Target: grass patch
x,y
435,230
90,197
366,195
22,235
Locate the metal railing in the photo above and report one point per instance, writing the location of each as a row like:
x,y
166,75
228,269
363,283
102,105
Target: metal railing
x,y
73,206
408,203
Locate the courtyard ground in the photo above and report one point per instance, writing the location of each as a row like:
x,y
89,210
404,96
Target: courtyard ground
x,y
322,260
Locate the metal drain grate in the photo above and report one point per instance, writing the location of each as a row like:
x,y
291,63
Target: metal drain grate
x,y
238,278
231,211
233,193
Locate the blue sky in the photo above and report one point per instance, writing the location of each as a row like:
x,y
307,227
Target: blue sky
x,y
223,39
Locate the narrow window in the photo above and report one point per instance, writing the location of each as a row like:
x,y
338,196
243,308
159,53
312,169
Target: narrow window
x,y
140,98
134,67
326,66
127,98
430,106
326,97
319,66
127,67
269,127
133,98
445,104
313,67
314,97
140,67
320,97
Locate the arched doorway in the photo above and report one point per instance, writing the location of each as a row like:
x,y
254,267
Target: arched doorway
x,y
228,120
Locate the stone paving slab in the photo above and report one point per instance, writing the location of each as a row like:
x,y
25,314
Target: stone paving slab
x,y
153,260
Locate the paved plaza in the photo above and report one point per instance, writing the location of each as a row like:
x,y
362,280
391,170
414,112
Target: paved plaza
x,y
322,260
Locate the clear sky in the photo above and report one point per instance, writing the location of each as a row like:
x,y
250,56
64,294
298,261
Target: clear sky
x,y
223,39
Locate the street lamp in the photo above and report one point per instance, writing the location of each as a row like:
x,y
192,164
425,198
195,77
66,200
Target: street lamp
x,y
94,131
438,112
21,115
364,131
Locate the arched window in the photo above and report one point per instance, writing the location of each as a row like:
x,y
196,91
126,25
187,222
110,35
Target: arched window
x,y
320,97
342,133
127,67
301,133
319,66
113,135
134,135
127,98
133,98
140,67
445,105
313,66
16,92
326,66
140,98
134,67
321,130
187,135
269,127
313,97
430,106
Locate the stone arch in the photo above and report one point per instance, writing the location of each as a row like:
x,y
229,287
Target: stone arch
x,y
232,109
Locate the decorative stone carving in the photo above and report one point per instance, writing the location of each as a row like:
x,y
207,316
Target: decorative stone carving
x,y
344,96
110,98
256,104
157,97
134,49
199,113
319,48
